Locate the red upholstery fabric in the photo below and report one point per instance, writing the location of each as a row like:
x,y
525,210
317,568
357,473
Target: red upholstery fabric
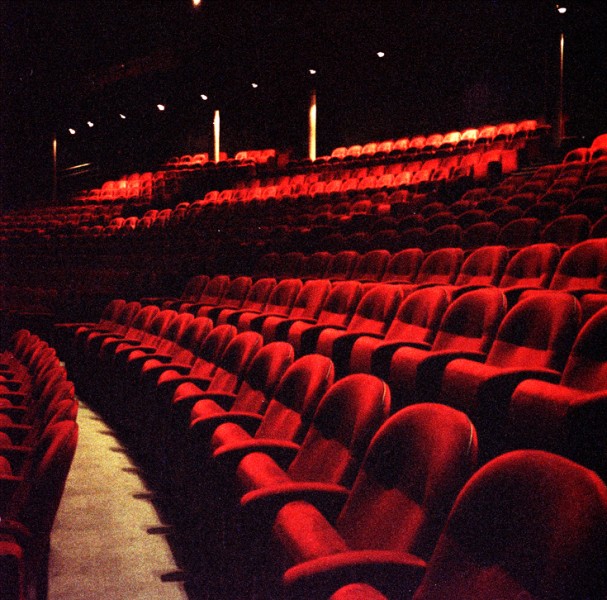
x,y
530,268
533,341
415,322
373,316
346,419
233,298
414,468
289,412
528,525
255,301
468,327
306,307
279,303
260,380
337,311
568,417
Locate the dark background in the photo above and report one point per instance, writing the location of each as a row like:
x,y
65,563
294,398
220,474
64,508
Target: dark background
x,y
448,65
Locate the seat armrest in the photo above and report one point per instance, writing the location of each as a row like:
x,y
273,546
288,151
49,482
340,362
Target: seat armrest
x,y
262,505
225,400
282,452
389,571
16,398
203,427
16,432
16,413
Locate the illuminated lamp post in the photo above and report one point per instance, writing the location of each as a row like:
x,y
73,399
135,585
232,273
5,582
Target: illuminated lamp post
x,y
560,122
54,168
216,124
312,127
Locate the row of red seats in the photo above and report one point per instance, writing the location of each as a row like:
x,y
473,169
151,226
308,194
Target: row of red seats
x,y
38,437
323,431
454,140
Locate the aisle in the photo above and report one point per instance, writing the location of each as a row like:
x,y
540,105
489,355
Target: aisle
x,y
109,541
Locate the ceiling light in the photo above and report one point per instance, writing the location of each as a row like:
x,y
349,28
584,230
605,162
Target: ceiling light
x,y
562,9
90,123
381,54
254,85
72,131
122,116
312,71
204,96
196,3
161,107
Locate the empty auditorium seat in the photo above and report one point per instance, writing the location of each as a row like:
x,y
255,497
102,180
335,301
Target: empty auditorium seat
x,y
347,418
483,267
511,534
252,398
371,266
403,266
211,295
279,304
533,341
255,300
287,417
568,230
373,316
337,311
569,417
233,298
530,268
439,267
415,324
306,308
467,330
414,468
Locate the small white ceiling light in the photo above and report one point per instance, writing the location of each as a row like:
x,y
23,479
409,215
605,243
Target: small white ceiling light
x,y
90,123
204,96
562,9
381,54
254,85
312,71
161,107
72,131
196,3
122,116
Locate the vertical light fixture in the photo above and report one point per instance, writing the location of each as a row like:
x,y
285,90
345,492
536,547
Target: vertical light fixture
x,y
216,124
312,127
54,168
560,121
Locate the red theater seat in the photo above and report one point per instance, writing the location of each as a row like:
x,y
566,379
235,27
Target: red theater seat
x,y
533,342
255,300
569,417
373,316
467,330
414,468
306,308
528,525
329,456
287,417
415,324
337,311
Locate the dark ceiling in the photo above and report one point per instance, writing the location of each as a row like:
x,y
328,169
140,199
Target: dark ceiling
x,y
447,65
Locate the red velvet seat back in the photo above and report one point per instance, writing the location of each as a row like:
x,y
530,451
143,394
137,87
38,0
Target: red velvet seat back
x,y
344,423
440,266
484,266
529,524
470,322
262,377
416,465
376,310
290,411
583,267
537,332
531,267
